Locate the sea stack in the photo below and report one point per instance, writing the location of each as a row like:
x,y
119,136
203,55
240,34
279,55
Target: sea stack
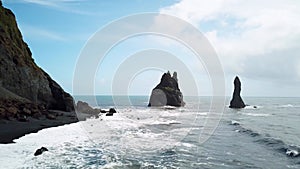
x,y
167,92
237,101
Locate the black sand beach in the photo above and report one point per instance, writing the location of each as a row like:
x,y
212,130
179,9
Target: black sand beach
x,y
13,129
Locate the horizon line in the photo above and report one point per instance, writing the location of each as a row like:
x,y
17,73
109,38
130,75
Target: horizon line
x,y
188,96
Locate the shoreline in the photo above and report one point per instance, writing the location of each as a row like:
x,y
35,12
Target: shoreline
x,y
14,129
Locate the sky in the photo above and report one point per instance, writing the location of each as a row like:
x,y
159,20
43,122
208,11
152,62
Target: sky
x,y
258,41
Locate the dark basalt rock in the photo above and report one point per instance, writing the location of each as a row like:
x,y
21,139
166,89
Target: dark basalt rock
x,y
109,114
51,116
167,92
102,111
237,101
112,110
22,118
26,91
40,151
21,80
84,107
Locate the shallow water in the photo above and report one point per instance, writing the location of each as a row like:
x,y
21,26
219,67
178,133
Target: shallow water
x,y
141,137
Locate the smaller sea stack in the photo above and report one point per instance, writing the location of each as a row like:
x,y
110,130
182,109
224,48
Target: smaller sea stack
x,y
167,92
237,101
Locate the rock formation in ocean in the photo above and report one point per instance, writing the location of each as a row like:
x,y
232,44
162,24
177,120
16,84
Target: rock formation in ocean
x,y
167,92
83,107
40,151
25,89
237,101
111,112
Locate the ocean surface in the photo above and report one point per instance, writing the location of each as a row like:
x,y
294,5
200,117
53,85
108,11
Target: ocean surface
x,y
267,136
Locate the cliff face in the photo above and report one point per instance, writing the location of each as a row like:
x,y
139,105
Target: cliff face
x,y
21,80
167,92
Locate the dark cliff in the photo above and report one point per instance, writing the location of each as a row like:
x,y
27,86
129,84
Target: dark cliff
x,y
21,80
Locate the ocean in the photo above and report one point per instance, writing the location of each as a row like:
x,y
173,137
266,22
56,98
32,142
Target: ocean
x,y
267,136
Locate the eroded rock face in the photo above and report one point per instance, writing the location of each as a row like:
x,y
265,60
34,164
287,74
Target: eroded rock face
x,y
167,92
20,78
237,101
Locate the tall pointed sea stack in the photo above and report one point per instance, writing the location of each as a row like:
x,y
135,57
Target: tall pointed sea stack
x,y
237,101
167,92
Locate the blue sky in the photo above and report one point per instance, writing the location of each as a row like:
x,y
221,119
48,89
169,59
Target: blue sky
x,y
56,31
256,40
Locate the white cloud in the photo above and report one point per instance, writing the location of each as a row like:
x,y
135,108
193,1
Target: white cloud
x,y
250,37
41,33
42,2
61,5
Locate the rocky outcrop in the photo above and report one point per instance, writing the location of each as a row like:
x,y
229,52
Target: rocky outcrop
x,y
237,101
40,151
111,112
167,92
83,107
22,82
19,110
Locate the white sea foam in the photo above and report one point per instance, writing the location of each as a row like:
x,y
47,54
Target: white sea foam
x,y
285,106
166,122
132,128
188,145
16,155
202,114
233,122
253,107
292,153
130,136
169,107
257,114
168,114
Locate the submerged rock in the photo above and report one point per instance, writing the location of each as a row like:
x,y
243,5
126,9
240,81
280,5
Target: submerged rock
x,y
40,151
237,101
167,92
